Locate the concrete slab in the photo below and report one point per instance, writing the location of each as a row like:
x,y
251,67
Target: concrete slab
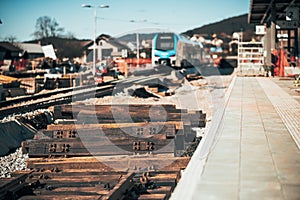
x,y
216,190
255,154
12,133
260,189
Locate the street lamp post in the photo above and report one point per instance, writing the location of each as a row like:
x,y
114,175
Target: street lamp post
x,y
95,31
137,43
137,50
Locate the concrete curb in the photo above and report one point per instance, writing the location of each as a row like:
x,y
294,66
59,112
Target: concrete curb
x,y
193,172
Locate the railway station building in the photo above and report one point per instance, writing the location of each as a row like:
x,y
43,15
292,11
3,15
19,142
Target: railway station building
x,y
280,24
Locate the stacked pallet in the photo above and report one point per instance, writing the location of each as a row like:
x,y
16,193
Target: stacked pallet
x,y
104,130
10,87
111,151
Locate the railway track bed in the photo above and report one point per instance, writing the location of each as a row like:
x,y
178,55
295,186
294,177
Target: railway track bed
x,y
117,151
83,184
137,160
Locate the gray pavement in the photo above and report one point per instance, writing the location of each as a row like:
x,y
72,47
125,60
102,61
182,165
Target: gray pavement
x,y
287,84
254,153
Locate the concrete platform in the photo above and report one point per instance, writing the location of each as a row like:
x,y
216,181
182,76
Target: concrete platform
x,y
251,149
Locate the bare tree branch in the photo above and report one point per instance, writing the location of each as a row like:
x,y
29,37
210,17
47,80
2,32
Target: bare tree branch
x,y
46,27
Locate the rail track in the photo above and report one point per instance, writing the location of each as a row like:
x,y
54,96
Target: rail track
x,y
82,184
39,101
105,151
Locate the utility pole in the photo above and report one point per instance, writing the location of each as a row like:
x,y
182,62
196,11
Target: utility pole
x,y
137,50
95,31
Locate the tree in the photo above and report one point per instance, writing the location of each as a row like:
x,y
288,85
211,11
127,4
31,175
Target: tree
x,y
70,35
46,27
11,39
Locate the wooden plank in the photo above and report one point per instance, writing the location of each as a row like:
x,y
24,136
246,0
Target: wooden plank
x,y
94,145
58,191
125,117
152,197
76,108
74,131
73,110
109,142
178,164
178,125
93,118
161,190
128,114
46,197
96,189
75,178
108,164
73,164
80,183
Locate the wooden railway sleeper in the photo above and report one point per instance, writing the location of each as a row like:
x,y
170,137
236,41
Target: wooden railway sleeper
x,y
72,134
143,146
65,134
59,148
140,131
150,146
136,146
151,131
52,148
59,134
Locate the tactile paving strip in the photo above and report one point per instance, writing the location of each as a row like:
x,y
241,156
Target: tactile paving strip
x,y
286,106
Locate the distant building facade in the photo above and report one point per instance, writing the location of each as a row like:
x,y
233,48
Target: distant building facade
x,y
33,50
9,51
106,47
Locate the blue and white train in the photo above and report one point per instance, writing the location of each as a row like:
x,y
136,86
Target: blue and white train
x,y
176,50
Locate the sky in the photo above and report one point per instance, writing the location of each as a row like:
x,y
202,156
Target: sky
x,y
19,16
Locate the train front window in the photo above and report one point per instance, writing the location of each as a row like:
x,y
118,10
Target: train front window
x,y
162,45
165,42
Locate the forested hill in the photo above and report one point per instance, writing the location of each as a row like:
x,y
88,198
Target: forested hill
x,y
226,26
223,27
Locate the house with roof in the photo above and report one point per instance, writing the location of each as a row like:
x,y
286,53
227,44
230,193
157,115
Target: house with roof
x,y
17,54
106,47
33,50
8,54
8,51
